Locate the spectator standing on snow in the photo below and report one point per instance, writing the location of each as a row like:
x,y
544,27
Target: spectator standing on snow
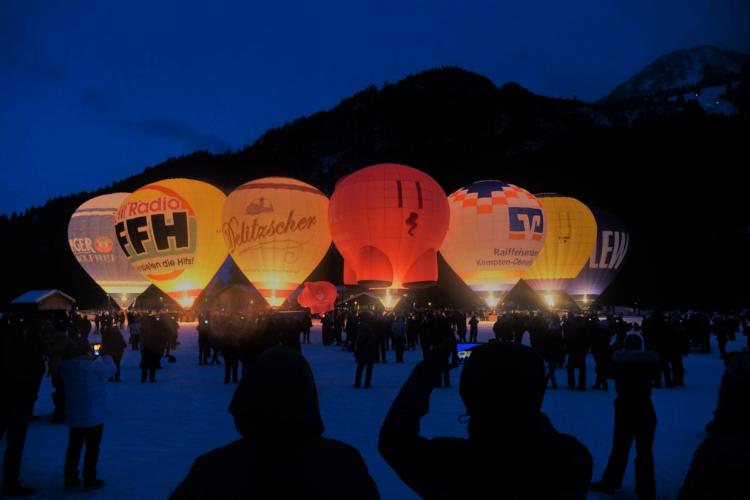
x,y
473,328
21,373
398,334
113,344
85,397
635,419
577,347
365,350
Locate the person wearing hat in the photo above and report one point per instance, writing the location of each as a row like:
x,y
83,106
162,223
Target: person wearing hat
x,y
281,453
512,451
635,419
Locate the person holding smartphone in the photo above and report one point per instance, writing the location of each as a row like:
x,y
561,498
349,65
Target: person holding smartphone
x,y
84,373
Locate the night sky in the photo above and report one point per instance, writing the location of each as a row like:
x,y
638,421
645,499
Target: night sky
x,y
93,91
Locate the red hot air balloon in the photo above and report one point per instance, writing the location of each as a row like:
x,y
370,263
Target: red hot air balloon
x,y
318,296
388,221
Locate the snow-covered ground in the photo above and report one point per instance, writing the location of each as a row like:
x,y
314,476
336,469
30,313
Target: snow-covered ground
x,y
155,431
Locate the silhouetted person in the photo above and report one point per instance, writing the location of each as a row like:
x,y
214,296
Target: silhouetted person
x,y
513,451
552,350
365,350
306,326
635,419
281,453
398,336
85,396
601,337
113,344
442,333
577,346
473,329
21,373
154,340
720,465
382,327
460,319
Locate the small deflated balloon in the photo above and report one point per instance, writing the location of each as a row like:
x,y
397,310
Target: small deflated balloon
x,y
318,296
170,231
496,232
605,262
92,240
388,222
569,241
276,230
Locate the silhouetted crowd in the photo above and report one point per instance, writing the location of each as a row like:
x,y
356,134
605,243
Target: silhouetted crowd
x,y
513,449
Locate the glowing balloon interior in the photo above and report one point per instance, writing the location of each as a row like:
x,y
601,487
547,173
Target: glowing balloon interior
x,y
569,241
605,262
276,230
388,222
496,232
318,296
91,236
171,233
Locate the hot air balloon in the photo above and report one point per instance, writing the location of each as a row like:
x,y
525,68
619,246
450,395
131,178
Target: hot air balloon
x,y
318,296
570,238
605,262
91,236
496,231
170,231
388,222
276,230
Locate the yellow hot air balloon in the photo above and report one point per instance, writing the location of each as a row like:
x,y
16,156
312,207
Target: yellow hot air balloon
x,y
570,239
276,230
496,231
92,240
170,231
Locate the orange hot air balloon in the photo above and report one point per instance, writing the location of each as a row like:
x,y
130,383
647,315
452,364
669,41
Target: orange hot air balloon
x,y
318,296
496,231
170,231
276,229
388,222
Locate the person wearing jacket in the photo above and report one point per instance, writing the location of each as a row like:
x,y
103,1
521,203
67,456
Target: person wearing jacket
x,y
365,350
719,467
513,451
275,409
635,419
398,334
21,373
114,344
84,376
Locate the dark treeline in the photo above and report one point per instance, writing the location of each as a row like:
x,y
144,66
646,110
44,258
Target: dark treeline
x,y
670,170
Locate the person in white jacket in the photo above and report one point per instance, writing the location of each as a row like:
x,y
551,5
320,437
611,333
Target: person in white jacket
x,y
84,376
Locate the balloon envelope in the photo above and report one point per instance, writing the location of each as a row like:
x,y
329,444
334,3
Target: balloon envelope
x,y
605,262
276,230
496,231
570,238
171,232
92,240
318,296
388,222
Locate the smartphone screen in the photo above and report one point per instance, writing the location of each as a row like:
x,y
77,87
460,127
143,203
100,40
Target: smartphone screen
x,y
95,348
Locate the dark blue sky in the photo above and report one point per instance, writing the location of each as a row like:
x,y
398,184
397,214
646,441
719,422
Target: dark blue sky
x,y
92,91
